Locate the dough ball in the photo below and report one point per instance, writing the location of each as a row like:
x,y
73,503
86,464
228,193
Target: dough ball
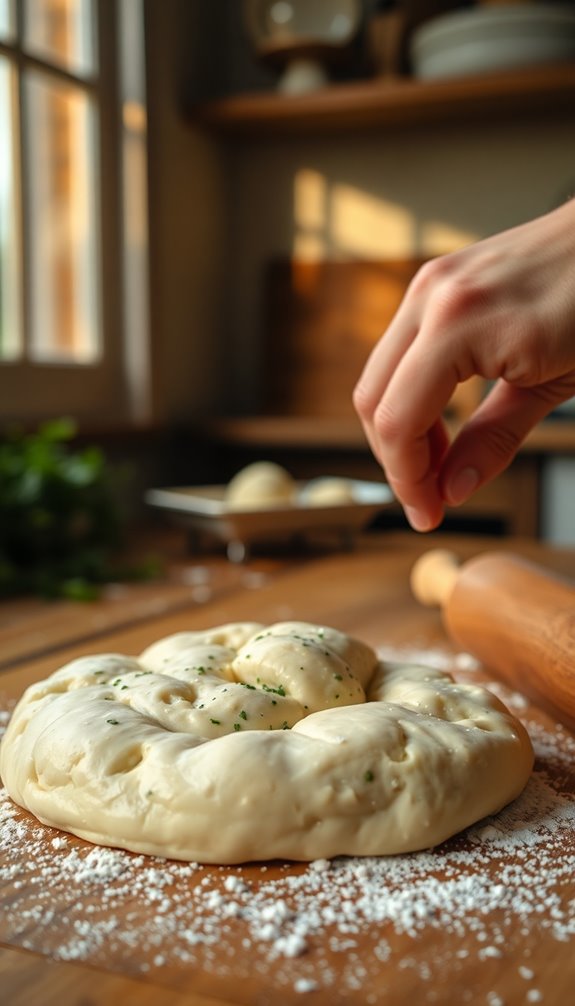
x,y
328,492
248,742
260,484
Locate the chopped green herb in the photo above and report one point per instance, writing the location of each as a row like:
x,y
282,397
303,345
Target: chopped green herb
x,y
237,726
280,690
243,715
338,677
113,722
369,776
216,723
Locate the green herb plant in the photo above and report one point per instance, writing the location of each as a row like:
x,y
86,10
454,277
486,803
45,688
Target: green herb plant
x,y
60,520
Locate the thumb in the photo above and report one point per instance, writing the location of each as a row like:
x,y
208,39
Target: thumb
x,y
488,442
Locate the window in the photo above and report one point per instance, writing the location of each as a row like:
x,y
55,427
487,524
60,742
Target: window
x,y
73,235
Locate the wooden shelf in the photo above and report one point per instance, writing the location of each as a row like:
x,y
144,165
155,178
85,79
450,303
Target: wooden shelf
x,y
549,437
394,102
289,431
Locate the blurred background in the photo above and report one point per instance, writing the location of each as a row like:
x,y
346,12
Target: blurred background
x,y
209,212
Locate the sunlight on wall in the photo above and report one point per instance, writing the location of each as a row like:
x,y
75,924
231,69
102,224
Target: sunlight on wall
x,y
438,238
333,220
370,227
309,248
310,199
310,216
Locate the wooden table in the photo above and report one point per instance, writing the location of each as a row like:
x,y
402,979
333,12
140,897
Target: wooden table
x,y
137,930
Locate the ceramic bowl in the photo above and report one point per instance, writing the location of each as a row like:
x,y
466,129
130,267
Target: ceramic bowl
x,y
486,39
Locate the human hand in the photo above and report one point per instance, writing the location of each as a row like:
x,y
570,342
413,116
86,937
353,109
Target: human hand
x,y
503,309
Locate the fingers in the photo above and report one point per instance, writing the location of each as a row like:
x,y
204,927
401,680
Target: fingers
x,y
406,432
490,439
381,364
385,357
426,509
400,397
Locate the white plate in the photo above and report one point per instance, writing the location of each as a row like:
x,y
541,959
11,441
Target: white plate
x,y
485,39
204,509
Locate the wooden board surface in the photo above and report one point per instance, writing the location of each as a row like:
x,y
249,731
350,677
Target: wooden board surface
x,y
476,921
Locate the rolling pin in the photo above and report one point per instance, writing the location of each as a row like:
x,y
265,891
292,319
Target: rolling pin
x,y
516,617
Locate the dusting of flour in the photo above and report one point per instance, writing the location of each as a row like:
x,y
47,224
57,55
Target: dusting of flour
x,y
506,883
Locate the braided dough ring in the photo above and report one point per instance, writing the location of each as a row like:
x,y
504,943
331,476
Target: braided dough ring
x,y
248,742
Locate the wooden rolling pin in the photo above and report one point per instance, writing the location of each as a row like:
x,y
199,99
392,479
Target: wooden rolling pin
x,y
514,616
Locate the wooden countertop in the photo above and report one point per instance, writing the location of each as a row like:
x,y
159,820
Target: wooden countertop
x,y
139,930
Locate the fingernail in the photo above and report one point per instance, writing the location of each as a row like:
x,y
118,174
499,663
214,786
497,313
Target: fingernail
x,y
462,485
418,519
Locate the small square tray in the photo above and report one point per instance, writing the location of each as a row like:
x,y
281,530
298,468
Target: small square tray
x,y
204,509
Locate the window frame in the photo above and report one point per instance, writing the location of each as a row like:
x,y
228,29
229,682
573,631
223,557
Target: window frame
x,y
96,393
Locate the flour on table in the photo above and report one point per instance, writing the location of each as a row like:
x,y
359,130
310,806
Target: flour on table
x,y
506,883
492,887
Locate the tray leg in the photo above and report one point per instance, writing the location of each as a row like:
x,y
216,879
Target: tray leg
x,y
237,551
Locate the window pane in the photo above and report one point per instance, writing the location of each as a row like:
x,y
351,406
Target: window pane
x,y
10,317
62,31
6,19
64,281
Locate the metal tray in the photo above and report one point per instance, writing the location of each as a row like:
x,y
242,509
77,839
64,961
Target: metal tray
x,y
203,509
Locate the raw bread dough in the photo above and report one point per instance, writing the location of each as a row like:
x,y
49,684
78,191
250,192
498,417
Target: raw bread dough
x,y
248,742
261,484
330,491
